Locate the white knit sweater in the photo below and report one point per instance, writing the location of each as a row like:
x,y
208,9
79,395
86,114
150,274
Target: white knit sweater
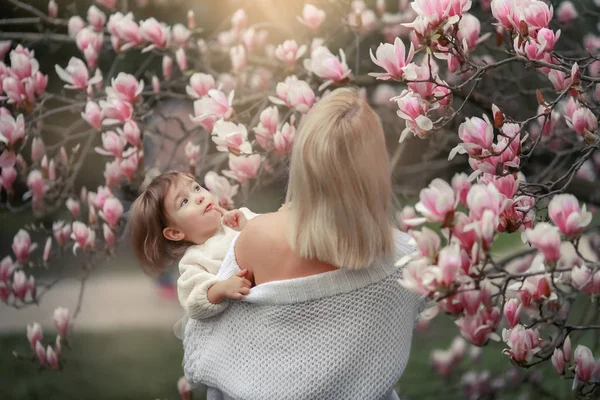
x,y
344,334
198,269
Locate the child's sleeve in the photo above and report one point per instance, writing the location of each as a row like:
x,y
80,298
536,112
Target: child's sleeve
x,y
247,213
193,284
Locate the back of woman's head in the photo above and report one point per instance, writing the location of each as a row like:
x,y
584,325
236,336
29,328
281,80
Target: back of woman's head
x,y
339,187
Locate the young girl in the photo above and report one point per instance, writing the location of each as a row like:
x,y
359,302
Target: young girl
x,y
176,216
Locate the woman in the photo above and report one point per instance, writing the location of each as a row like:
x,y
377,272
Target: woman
x,y
327,318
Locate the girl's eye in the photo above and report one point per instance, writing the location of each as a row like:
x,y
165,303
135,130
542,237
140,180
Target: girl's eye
x,y
197,188
183,202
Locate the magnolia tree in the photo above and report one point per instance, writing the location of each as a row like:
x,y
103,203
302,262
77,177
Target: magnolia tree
x,y
509,86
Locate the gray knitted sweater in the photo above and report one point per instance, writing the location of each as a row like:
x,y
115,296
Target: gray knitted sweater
x,y
343,334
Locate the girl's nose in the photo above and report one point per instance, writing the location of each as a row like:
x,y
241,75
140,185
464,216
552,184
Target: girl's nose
x,y
199,199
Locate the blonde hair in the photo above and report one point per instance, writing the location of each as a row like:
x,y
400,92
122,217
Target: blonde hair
x,y
147,220
339,191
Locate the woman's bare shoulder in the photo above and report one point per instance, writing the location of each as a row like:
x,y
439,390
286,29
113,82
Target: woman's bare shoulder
x,y
260,237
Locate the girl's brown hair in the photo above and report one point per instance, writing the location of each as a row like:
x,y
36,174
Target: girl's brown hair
x,y
147,220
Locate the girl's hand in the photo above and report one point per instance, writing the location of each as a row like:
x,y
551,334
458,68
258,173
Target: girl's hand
x,y
235,220
237,286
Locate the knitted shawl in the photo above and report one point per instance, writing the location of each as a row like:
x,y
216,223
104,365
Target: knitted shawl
x,y
344,334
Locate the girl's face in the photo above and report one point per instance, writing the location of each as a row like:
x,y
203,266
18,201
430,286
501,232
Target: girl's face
x,y
193,213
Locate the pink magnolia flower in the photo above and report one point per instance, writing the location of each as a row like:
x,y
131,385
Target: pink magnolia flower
x,y
34,334
220,187
361,18
239,20
20,285
584,363
84,236
506,185
477,135
102,194
52,358
413,109
418,276
312,17
90,44
242,168
76,75
545,238
559,80
125,87
38,149
461,186
92,115
12,131
537,14
131,133
284,138
167,67
180,35
112,173
40,81
112,211
269,121
442,361
566,13
229,136
238,57
96,18
449,264
466,237
184,388
480,328
47,249
23,65
564,211
155,84
558,361
301,96
4,48
112,144
22,246
200,84
36,184
485,197
6,268
181,59
109,235
157,33
567,348
393,59
289,52
253,38
523,343
74,25
73,207
61,321
8,177
469,28
428,242
512,312
192,153
125,28
116,110
130,163
40,353
216,104
583,121
437,202
585,279
61,232
19,92
547,39
327,66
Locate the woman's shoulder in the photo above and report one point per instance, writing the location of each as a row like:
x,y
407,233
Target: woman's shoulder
x,y
265,231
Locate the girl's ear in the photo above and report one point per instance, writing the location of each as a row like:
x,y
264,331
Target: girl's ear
x,y
173,234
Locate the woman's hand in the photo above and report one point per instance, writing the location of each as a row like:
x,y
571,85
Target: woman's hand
x,y
234,288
